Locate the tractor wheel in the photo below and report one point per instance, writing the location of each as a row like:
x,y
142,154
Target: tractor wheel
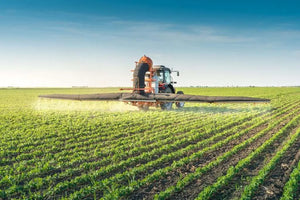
x,y
166,105
143,107
179,104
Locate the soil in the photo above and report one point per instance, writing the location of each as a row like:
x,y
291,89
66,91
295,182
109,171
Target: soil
x,y
272,187
234,189
192,190
221,170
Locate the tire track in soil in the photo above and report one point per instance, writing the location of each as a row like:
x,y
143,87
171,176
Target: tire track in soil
x,y
193,189
236,186
272,187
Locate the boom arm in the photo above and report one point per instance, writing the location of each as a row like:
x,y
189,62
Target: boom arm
x,y
161,97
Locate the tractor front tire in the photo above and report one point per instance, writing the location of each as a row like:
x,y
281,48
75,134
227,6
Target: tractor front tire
x,y
179,104
143,107
166,105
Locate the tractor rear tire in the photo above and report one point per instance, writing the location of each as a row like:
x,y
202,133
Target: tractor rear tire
x,y
166,105
179,104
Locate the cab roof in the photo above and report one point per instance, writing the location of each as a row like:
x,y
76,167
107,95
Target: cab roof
x,y
161,67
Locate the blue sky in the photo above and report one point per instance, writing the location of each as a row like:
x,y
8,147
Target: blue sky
x,y
55,43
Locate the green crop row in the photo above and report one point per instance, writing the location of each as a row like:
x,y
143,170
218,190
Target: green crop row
x,y
67,146
146,157
199,171
33,173
83,130
79,152
208,191
258,179
293,185
124,190
39,171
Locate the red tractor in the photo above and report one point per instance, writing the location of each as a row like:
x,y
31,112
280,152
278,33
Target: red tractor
x,y
153,86
153,79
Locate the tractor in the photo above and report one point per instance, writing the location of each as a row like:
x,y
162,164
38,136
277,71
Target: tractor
x,y
153,86
153,79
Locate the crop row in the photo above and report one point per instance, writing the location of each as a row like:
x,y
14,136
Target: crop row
x,y
292,187
208,191
257,180
45,169
81,139
44,162
50,154
147,156
165,158
94,147
75,130
199,171
81,132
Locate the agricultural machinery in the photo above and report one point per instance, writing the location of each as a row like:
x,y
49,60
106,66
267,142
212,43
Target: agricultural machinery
x,y
153,86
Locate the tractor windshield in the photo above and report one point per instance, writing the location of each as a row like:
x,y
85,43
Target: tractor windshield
x,y
163,76
160,76
167,77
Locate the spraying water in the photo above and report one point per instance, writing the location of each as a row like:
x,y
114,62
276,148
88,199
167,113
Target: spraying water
x,y
63,105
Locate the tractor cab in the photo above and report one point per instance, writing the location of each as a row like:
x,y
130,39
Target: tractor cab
x,y
163,79
163,74
153,79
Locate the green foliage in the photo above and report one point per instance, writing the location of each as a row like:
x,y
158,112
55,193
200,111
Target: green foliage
x,y
293,184
257,180
57,149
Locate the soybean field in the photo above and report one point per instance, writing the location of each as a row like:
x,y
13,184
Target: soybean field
x,y
63,149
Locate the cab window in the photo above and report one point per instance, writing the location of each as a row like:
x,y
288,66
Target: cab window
x,y
167,77
160,76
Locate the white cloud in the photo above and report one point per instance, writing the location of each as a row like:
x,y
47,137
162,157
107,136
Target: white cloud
x,y
104,49
183,33
114,28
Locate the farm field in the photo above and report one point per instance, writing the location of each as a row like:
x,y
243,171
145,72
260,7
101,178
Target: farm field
x,y
60,149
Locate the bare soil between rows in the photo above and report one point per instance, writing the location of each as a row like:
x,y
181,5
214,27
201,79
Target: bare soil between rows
x,y
148,191
120,170
236,186
220,170
173,178
272,187
191,191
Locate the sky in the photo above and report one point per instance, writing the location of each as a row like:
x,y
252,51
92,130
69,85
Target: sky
x,y
56,43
